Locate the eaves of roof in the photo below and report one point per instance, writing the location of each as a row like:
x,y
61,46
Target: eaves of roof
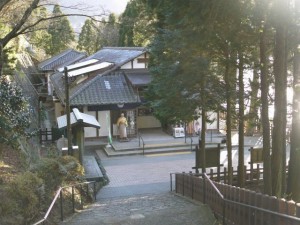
x,y
65,58
117,55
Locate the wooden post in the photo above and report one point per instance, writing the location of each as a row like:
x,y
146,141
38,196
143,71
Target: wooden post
x,y
67,105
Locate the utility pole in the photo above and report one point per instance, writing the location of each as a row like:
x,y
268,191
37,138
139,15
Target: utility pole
x,y
67,106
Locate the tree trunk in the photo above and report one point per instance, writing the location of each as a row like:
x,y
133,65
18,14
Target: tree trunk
x,y
241,170
203,130
280,74
265,112
1,59
294,165
228,86
251,121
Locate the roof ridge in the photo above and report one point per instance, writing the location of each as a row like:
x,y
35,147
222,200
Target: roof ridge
x,y
55,57
126,48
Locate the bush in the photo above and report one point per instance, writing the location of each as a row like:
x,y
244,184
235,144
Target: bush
x,y
29,193
57,171
20,199
51,172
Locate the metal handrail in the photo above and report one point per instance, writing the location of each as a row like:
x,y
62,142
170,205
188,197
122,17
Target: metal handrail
x,y
191,138
141,138
205,177
59,194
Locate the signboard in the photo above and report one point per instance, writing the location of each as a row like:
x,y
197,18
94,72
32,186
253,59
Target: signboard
x,y
212,155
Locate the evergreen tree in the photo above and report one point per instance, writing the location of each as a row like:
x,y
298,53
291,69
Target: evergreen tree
x,y
136,24
39,38
108,34
88,38
179,59
14,113
62,34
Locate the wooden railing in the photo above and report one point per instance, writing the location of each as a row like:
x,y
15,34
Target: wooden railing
x,y
236,205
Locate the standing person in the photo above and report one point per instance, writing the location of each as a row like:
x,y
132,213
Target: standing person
x,y
122,124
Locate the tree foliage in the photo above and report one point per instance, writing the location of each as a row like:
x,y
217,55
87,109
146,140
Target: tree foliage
x,y
24,17
108,32
14,112
88,38
136,24
61,31
226,35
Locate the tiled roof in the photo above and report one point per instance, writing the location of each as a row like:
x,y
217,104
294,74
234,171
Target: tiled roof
x,y
138,77
117,55
108,89
65,58
97,90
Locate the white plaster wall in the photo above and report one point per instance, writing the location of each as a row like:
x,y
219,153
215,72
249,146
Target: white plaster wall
x,y
147,122
211,116
58,109
126,66
104,120
136,65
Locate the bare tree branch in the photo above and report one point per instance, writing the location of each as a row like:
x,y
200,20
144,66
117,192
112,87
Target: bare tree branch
x,y
3,3
14,32
26,29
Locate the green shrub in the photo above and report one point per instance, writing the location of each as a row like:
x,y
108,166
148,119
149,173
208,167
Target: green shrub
x,y
21,199
51,172
58,171
74,171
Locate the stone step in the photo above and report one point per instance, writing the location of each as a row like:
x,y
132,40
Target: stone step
x,y
110,152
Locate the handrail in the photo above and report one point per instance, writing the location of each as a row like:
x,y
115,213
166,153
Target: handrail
x,y
205,177
191,143
141,138
59,194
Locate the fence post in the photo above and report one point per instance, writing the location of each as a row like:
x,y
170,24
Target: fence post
x,y
224,211
61,206
204,188
73,199
171,181
183,183
191,177
95,195
258,174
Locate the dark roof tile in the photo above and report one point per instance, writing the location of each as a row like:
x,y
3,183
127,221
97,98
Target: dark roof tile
x,y
65,58
109,89
117,55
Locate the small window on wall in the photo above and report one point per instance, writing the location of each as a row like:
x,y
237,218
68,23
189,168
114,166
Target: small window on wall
x,y
142,60
145,112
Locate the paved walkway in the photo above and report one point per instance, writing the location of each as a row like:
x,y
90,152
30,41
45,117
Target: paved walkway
x,y
147,209
139,193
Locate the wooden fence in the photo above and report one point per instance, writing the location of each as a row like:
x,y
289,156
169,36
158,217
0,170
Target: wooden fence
x,y
50,135
46,135
237,205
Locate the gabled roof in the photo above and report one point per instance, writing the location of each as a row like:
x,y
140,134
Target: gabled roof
x,y
65,58
76,117
104,90
117,55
